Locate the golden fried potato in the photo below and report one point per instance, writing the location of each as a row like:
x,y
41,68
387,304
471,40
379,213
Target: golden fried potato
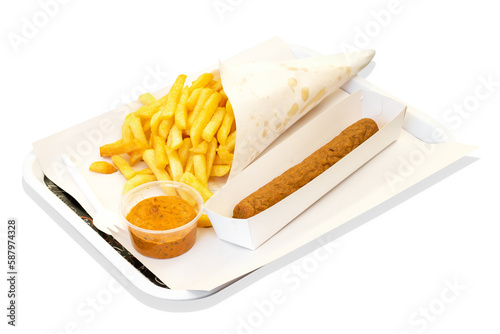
x,y
120,147
175,165
220,170
147,99
192,181
137,180
123,166
188,135
226,125
160,173
204,117
102,167
202,81
181,111
204,221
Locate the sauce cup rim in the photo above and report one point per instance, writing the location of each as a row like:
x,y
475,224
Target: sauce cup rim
x,y
155,184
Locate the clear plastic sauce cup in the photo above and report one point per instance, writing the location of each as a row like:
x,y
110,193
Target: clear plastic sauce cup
x,y
165,243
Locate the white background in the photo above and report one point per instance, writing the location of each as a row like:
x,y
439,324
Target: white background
x,y
391,275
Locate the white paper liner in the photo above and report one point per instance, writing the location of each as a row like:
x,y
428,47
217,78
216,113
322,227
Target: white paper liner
x,y
212,262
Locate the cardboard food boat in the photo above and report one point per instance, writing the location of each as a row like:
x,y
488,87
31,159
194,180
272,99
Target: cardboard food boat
x,y
284,111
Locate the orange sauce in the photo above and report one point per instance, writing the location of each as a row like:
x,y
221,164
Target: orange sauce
x,y
162,213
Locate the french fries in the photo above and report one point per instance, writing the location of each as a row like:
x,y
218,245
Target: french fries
x,y
147,99
137,180
102,167
174,138
175,165
120,146
227,122
200,168
219,170
204,117
123,166
214,124
187,136
160,173
138,131
203,221
192,181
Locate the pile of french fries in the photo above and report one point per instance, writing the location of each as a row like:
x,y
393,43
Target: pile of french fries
x,y
187,135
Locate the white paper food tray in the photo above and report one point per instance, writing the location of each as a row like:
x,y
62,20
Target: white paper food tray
x,y
146,288
252,232
416,123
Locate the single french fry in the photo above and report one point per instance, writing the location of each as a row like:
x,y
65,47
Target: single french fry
x,y
200,148
225,157
189,163
220,170
202,81
204,117
135,156
169,171
145,112
203,221
175,164
155,123
181,111
191,180
183,151
200,168
123,166
150,110
223,94
204,95
119,147
223,100
193,99
150,140
150,160
187,196
126,130
174,140
233,127
214,124
146,126
160,152
145,171
136,181
146,99
173,97
216,85
102,167
138,131
211,152
227,122
230,143
164,128
218,160
210,84
167,109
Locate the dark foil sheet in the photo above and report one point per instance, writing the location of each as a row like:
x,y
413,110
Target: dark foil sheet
x,y
80,211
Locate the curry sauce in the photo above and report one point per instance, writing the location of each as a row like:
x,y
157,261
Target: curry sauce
x,y
162,213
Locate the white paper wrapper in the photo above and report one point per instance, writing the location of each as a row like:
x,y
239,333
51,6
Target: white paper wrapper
x,y
269,97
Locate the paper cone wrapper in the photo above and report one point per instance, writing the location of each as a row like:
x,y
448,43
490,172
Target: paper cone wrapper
x,y
269,97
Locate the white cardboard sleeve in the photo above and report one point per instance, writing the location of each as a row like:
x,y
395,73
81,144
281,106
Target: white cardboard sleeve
x,y
252,232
